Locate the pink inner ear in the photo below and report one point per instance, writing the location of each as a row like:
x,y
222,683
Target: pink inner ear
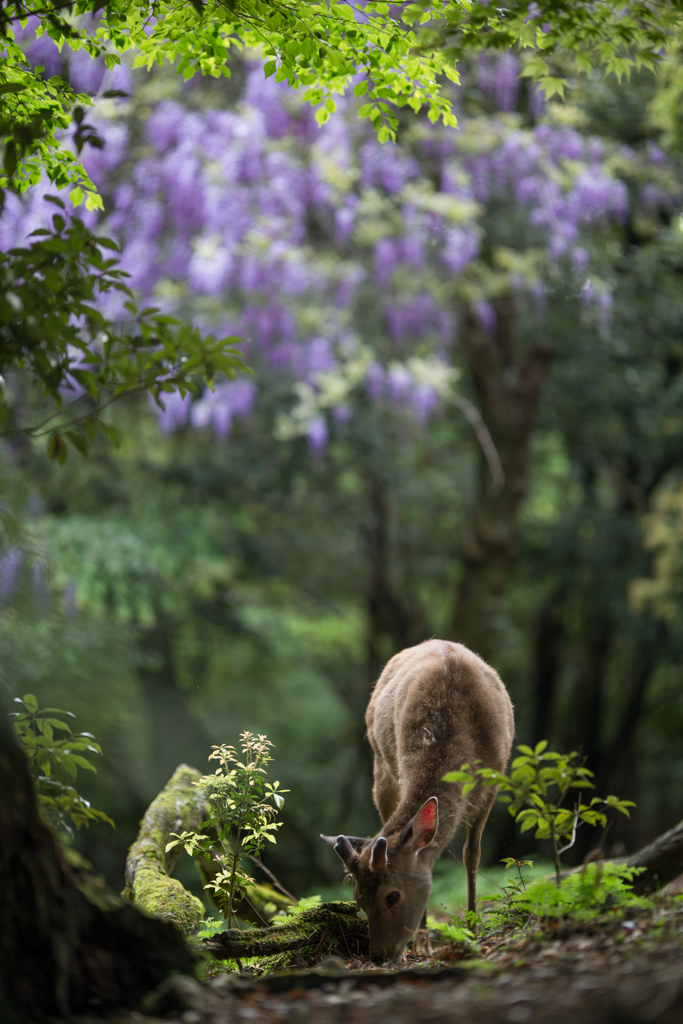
x,y
425,824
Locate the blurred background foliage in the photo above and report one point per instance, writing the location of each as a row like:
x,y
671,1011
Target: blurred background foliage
x,y
250,558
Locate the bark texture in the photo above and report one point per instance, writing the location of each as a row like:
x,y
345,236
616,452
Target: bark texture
x,y
59,952
662,860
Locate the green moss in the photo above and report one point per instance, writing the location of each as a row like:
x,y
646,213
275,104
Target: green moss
x,y
306,935
166,898
179,807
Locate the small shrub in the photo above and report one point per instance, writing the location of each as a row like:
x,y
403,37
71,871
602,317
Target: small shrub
x,y
506,908
539,784
455,933
55,754
243,805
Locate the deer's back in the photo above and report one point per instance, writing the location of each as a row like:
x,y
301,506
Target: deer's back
x,y
435,707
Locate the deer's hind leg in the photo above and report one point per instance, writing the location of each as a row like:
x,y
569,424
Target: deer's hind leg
x,y
471,854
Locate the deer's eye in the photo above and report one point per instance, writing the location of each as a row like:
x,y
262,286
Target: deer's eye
x,y
393,898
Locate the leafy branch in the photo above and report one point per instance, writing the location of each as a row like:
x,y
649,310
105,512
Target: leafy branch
x,y
539,783
54,761
52,328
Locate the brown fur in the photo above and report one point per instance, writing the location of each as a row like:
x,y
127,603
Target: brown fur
x,y
434,708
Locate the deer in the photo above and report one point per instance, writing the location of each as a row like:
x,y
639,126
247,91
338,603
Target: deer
x,y
435,707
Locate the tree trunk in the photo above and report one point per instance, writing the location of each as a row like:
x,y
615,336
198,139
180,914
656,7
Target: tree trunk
x,y
662,860
391,621
508,386
59,953
549,636
583,728
172,726
391,625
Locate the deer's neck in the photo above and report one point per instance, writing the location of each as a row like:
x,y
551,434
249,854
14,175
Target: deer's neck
x,y
414,797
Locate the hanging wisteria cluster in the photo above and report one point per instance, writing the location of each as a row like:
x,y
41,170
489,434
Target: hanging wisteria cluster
x,y
343,262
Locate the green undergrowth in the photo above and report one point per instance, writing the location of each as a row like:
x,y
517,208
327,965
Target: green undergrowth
x,y
601,892
449,891
524,904
596,890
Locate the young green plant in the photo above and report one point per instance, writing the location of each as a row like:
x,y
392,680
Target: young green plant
x,y
537,792
242,807
55,754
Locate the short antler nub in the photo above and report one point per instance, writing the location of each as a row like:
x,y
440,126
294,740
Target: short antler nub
x,y
344,849
378,859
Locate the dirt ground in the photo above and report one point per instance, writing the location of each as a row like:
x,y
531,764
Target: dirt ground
x,y
625,971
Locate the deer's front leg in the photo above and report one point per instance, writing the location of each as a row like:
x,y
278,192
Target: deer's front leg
x,y
421,943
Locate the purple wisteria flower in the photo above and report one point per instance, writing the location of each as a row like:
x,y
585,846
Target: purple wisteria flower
x,y
375,380
85,72
217,408
485,315
301,236
10,568
317,436
176,411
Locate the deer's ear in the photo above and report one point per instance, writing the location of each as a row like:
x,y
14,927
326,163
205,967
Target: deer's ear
x,y
422,828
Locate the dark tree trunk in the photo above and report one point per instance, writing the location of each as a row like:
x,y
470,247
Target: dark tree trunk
x,y
174,731
60,953
583,730
392,623
389,628
508,383
643,663
549,636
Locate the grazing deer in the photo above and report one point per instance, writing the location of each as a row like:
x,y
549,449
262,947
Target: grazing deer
x,y
435,707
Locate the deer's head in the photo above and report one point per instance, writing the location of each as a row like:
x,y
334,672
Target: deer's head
x,y
392,880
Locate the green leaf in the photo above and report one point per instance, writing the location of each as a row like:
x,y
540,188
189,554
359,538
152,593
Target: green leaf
x,y
56,448
79,442
457,777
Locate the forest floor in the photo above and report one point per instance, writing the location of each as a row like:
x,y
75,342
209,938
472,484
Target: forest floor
x,y
626,971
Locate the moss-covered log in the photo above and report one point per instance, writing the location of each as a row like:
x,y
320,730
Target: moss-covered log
x,y
323,927
179,807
